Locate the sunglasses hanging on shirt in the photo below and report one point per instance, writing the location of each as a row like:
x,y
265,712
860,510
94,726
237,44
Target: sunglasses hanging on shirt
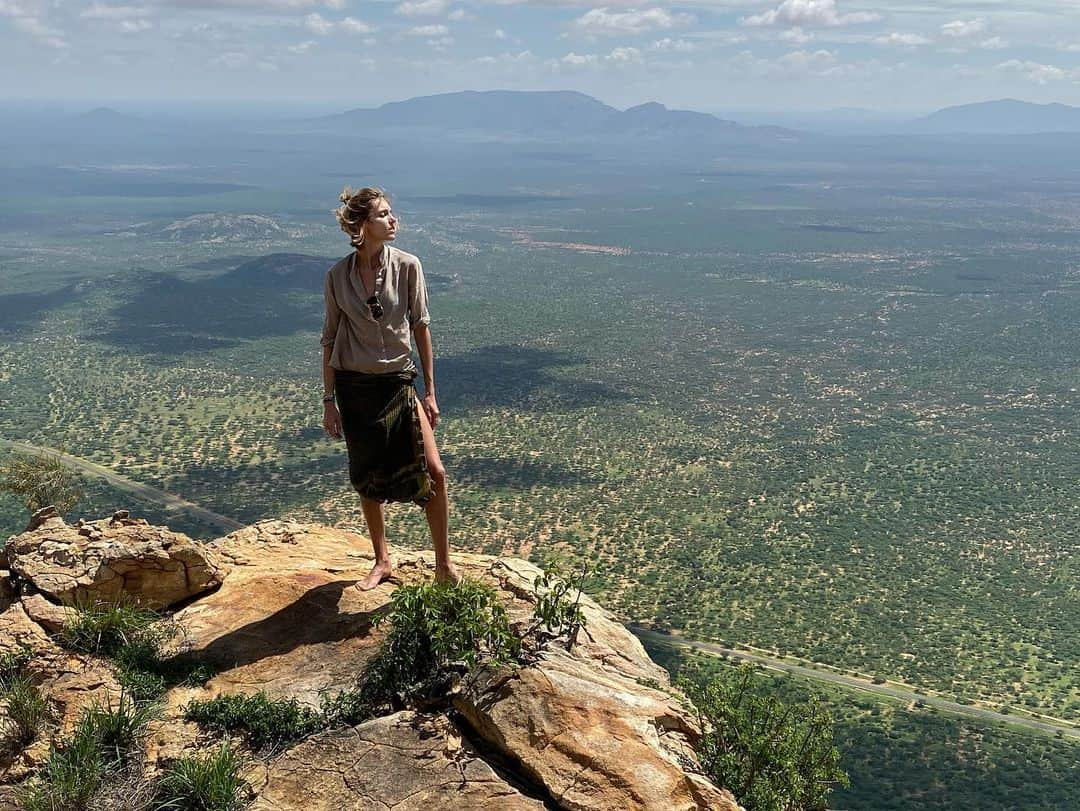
x,y
375,306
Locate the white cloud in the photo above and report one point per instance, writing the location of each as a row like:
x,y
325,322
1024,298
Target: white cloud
x,y
624,56
459,14
135,26
902,40
422,8
523,57
352,25
667,44
317,24
1035,71
29,22
573,61
429,31
993,43
796,35
255,6
335,4
302,47
809,13
959,29
100,11
602,22
500,34
819,62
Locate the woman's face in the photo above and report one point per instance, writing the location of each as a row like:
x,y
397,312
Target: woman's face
x,y
381,224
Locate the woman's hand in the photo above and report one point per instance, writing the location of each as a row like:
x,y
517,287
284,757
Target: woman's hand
x,y
431,408
331,420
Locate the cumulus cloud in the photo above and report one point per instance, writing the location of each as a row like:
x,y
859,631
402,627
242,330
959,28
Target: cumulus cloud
x,y
796,35
1035,71
317,24
959,29
302,47
352,25
422,8
603,22
429,31
667,44
29,20
520,58
794,65
255,6
811,13
100,11
500,34
902,40
624,56
993,43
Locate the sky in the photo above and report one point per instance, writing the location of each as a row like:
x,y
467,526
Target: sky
x,y
710,55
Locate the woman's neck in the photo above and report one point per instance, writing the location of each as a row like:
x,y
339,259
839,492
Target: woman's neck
x,y
370,251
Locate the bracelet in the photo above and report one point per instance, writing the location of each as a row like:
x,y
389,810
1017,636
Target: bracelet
x,y
328,398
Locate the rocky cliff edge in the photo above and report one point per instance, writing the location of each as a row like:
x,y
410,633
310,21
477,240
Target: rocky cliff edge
x,y
272,608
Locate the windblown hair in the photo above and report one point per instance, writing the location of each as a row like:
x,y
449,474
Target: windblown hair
x,y
356,208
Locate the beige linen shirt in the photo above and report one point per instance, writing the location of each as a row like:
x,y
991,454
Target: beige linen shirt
x,y
361,343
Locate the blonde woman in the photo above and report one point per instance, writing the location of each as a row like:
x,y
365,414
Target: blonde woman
x,y
376,302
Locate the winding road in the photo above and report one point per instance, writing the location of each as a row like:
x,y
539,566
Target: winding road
x,y
172,503
1040,726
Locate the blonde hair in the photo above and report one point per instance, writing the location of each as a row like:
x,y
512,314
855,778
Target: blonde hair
x,y
356,208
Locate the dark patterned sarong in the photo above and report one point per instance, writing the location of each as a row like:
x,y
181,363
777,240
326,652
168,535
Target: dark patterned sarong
x,y
381,421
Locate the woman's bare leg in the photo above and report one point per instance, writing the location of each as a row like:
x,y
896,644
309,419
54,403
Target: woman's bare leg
x,y
375,516
438,508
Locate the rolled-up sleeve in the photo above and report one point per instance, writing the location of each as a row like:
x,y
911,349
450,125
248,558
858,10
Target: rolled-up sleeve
x,y
418,297
333,313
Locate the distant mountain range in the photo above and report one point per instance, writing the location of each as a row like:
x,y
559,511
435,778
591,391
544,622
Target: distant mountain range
x,y
545,114
1002,117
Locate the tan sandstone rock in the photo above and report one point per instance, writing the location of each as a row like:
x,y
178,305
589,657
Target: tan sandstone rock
x,y
403,762
104,559
572,730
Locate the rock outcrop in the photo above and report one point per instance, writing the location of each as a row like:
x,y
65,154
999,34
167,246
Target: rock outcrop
x,y
102,560
597,727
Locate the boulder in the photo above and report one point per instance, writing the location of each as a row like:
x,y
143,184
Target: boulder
x,y
403,762
107,559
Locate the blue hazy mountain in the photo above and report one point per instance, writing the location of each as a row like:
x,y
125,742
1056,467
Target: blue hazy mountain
x,y
546,114
1004,117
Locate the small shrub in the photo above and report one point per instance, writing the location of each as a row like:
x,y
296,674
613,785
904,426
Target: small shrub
x,y
558,603
436,629
27,712
266,724
346,708
41,480
209,782
772,757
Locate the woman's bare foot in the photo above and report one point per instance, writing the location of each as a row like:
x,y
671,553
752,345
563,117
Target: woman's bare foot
x,y
447,574
379,572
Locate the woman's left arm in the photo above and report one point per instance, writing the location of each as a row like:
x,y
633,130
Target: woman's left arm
x,y
422,336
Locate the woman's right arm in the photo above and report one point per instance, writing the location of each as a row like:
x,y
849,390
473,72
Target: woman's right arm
x,y
331,417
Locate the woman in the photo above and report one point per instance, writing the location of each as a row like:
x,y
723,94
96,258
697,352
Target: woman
x,y
376,297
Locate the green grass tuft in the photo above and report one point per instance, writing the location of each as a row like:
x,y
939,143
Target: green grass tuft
x,y
209,782
27,712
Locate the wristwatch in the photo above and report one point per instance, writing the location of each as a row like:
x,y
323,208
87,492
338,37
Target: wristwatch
x,y
328,398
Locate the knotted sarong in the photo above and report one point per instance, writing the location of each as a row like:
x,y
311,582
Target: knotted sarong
x,y
380,417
